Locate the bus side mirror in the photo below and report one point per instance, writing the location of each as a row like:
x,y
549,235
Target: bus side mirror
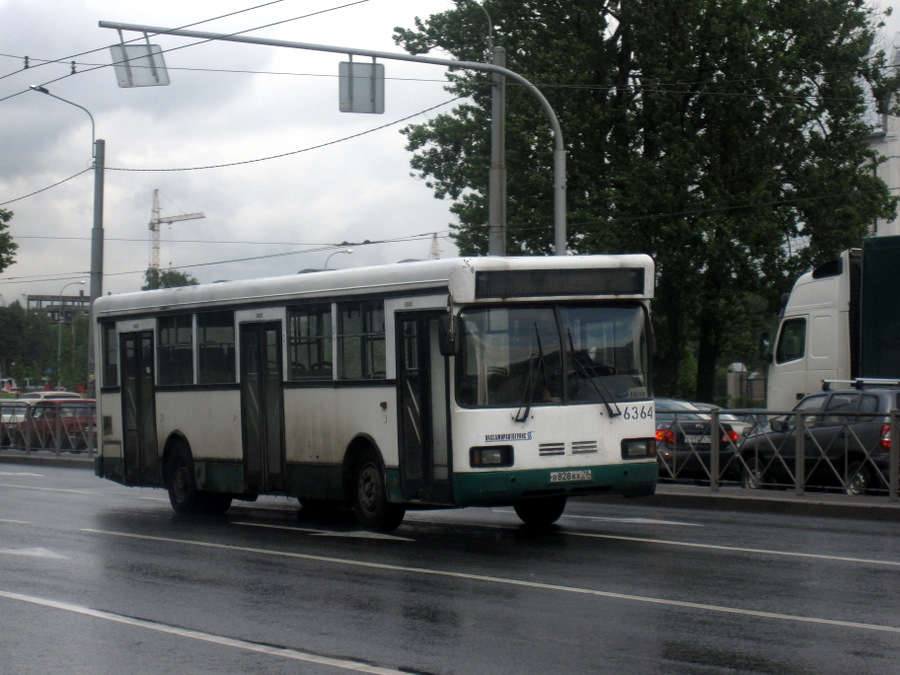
x,y
447,342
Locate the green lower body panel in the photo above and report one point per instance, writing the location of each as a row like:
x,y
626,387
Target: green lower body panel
x,y
315,481
112,468
486,488
504,487
307,481
219,476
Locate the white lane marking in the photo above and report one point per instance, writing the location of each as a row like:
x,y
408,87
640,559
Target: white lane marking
x,y
283,652
21,473
327,533
48,489
33,553
722,609
633,521
739,549
15,522
431,516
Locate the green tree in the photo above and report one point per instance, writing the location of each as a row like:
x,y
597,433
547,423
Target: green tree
x,y
28,343
726,139
155,278
7,245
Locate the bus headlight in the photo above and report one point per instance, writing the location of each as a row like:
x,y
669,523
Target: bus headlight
x,y
491,456
636,448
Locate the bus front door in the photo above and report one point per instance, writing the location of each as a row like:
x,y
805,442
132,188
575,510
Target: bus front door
x,y
139,449
422,382
262,419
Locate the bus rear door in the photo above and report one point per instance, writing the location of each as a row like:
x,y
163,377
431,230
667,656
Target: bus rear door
x,y
262,418
139,409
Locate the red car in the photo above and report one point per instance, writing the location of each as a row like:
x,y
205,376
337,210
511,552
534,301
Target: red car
x,y
66,424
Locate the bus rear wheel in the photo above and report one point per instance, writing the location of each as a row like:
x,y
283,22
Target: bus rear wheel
x,y
370,502
180,480
540,511
182,486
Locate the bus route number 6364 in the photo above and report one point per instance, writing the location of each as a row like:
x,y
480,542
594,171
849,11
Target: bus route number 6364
x,y
638,412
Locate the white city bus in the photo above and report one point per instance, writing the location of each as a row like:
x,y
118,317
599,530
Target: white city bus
x,y
443,383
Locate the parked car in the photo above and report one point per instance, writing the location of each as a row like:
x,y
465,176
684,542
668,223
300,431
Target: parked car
x,y
52,423
683,442
12,412
846,442
739,426
40,395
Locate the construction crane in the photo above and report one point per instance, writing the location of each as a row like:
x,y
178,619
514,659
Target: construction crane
x,y
155,223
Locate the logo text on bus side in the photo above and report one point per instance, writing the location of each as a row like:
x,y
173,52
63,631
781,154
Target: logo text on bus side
x,y
506,438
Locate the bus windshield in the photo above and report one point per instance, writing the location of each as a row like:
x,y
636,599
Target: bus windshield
x,y
552,355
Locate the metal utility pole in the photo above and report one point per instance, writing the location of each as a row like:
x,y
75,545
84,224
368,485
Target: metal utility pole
x,y
154,226
497,177
559,151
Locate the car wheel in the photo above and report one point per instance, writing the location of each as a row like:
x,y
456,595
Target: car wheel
x,y
541,511
859,479
753,472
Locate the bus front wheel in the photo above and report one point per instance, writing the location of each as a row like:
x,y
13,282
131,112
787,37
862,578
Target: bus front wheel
x,y
540,511
370,502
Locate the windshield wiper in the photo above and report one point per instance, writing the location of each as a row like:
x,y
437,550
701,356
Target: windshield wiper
x,y
535,365
605,397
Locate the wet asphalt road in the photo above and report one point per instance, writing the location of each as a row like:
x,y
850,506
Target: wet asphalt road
x,y
99,578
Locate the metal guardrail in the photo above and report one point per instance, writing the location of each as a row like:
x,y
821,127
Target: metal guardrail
x,y
60,425
797,459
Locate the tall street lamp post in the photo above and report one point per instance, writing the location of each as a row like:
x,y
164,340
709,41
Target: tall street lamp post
x,y
98,146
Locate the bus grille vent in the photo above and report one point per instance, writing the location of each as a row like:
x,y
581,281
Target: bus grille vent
x,y
582,447
551,449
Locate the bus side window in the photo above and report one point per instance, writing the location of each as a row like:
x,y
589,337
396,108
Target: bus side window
x,y
361,340
110,373
176,359
216,354
309,342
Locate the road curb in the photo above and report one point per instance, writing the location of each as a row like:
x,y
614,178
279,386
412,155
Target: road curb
x,y
668,495
781,502
47,458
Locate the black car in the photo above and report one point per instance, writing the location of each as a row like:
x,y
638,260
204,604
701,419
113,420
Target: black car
x,y
684,442
846,442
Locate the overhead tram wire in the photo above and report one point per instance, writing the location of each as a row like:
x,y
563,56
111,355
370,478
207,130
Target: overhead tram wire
x,y
274,73
63,61
318,248
294,152
49,187
443,234
248,161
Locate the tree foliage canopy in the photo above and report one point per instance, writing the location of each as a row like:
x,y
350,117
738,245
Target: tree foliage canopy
x,y
7,245
155,278
726,139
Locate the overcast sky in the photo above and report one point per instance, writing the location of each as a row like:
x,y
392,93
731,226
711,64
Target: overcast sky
x,y
227,104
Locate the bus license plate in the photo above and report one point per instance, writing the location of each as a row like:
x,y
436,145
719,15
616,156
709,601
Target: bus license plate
x,y
570,476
